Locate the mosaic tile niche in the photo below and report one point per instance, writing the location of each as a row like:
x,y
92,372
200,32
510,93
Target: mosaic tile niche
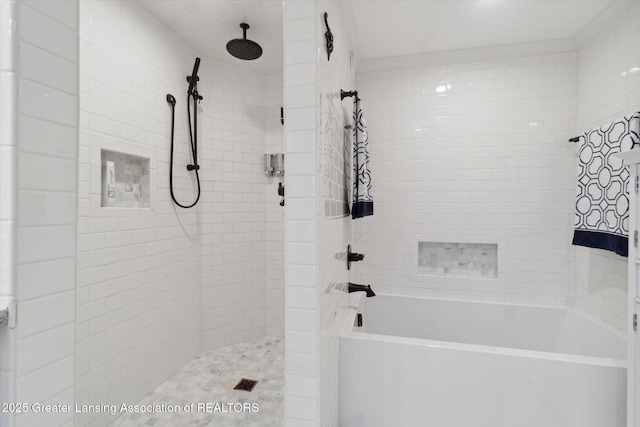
x,y
458,259
125,180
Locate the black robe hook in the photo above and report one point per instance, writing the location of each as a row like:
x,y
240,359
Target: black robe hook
x,y
329,36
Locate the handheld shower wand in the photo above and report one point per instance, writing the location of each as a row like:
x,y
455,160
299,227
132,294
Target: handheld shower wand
x,y
193,79
193,134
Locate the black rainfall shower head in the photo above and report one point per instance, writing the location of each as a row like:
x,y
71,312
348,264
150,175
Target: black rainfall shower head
x,y
243,48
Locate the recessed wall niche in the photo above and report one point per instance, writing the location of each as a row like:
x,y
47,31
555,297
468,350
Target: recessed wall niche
x,y
125,180
458,259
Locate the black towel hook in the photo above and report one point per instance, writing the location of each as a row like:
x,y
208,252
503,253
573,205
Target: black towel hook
x,y
329,36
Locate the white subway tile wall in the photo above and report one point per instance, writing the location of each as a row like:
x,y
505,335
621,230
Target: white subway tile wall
x,y
274,232
608,82
301,210
166,280
139,270
472,152
234,216
8,190
335,225
315,240
39,165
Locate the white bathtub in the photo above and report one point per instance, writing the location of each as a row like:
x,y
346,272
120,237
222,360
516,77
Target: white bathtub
x,y
446,363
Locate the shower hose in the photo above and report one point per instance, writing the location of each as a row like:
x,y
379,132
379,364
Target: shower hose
x,y
193,140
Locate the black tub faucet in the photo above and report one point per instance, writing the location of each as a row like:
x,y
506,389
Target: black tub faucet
x,y
357,288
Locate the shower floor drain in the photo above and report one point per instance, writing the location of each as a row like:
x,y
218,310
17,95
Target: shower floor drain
x,y
245,384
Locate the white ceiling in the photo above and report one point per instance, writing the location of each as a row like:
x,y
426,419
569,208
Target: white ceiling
x,y
390,28
207,26
383,28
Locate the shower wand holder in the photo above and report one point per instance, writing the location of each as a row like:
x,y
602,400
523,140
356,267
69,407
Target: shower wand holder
x,y
189,79
193,167
192,88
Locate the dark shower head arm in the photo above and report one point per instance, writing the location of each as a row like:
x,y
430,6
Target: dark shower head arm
x,y
194,76
244,27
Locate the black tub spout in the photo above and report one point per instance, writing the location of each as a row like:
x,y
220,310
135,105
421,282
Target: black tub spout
x,y
356,288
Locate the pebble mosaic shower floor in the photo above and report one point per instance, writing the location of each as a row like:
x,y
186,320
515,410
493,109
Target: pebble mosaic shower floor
x,y
205,388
